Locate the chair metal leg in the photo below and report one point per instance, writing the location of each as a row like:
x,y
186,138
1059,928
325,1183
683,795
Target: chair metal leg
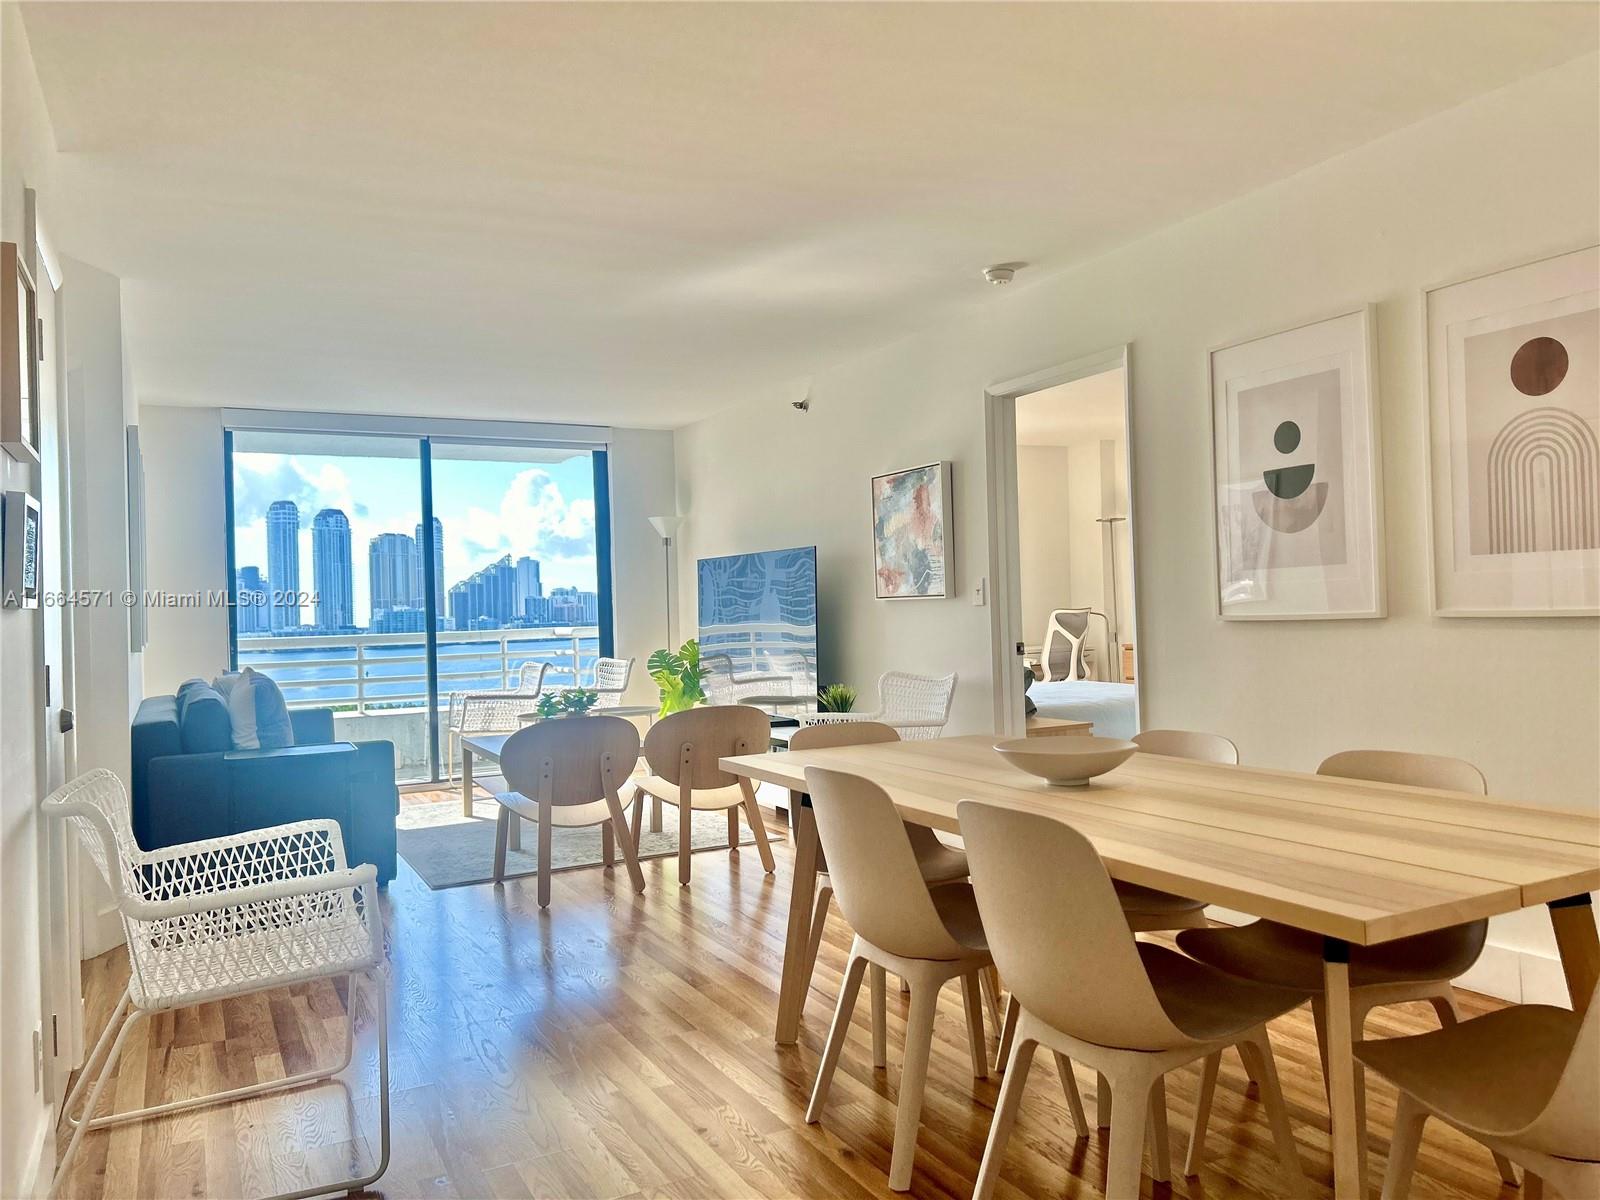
x,y
87,1074
99,1086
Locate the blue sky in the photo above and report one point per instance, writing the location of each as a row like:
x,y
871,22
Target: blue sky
x,y
543,509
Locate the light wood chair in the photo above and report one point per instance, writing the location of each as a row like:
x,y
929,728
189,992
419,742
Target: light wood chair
x,y
1187,743
1089,991
683,751
564,774
927,936
1410,968
1524,1081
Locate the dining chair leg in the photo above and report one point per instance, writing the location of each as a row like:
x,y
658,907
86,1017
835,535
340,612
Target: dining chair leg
x,y
1448,1010
990,977
977,1043
638,815
837,1032
685,839
913,1082
1257,1051
502,832
1102,1102
630,850
1409,1118
655,814
546,831
878,984
1160,1143
752,812
608,846
819,923
1008,1031
733,828
1005,1118
1069,1088
1130,1105
1202,1113
1532,1187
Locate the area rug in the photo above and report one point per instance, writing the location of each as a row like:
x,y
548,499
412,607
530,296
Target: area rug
x,y
450,850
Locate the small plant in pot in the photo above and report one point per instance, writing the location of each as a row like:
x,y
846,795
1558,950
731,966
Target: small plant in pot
x,y
680,677
569,702
836,698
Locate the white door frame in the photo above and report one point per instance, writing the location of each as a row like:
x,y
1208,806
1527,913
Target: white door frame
x,y
1000,435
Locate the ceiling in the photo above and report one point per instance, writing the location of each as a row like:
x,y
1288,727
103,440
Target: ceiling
x,y
643,213
1091,409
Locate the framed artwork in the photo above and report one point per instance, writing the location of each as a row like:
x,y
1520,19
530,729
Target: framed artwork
x,y
19,357
911,532
1514,440
20,540
1298,501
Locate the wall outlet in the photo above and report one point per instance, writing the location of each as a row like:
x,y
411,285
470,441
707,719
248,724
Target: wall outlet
x,y
980,593
38,1059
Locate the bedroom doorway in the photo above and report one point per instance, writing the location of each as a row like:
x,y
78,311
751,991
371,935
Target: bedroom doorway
x,y
1062,534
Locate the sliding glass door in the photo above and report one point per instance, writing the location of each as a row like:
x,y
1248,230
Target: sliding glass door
x,y
377,575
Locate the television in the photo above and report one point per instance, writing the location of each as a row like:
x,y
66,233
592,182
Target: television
x,y
758,626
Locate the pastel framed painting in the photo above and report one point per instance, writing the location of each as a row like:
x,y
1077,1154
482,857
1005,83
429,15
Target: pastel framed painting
x,y
911,532
1514,440
1298,503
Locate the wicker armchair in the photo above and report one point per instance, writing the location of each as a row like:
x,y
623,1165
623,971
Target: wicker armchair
x,y
491,712
917,707
724,685
231,916
608,680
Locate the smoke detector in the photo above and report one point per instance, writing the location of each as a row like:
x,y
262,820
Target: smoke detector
x,y
1002,273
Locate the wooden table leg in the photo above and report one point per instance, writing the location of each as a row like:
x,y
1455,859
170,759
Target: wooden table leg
x,y
802,896
1579,944
1341,1070
466,780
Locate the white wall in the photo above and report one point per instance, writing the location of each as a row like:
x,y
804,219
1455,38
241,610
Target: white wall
x,y
1044,539
1510,176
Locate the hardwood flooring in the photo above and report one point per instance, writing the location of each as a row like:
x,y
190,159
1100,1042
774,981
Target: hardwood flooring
x,y
621,1046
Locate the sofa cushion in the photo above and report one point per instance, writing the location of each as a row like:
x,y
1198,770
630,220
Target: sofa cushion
x,y
259,716
203,724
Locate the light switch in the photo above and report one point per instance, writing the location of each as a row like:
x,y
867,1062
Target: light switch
x,y
980,595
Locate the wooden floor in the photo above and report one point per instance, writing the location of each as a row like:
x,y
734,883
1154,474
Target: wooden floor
x,y
621,1046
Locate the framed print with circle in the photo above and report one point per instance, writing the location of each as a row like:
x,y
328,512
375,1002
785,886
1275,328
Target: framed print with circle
x,y
1298,492
1514,440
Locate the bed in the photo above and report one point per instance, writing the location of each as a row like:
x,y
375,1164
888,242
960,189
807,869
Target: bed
x,y
1109,705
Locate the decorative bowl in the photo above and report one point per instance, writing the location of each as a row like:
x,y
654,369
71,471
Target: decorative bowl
x,y
1066,761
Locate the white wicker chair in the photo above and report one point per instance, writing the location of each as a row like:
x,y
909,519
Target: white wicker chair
x,y
917,707
723,685
611,676
491,712
230,916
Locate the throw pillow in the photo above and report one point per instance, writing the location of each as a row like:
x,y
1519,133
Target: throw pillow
x,y
259,716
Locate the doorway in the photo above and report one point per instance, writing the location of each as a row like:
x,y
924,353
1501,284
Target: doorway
x,y
1065,618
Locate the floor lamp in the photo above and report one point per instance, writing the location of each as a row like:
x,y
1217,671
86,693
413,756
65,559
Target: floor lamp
x,y
667,527
1114,626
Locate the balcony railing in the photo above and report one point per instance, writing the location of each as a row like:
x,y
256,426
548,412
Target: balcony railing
x,y
384,672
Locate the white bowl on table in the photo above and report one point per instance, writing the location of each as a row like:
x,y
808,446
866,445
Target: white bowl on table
x,y
1066,761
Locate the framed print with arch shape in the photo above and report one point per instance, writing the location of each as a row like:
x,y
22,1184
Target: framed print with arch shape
x,y
1514,440
1298,501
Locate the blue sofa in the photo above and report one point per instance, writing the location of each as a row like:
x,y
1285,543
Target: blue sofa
x,y
189,783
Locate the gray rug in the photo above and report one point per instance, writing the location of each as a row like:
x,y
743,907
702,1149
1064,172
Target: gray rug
x,y
449,850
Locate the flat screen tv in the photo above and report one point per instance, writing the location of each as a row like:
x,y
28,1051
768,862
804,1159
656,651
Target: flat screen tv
x,y
758,621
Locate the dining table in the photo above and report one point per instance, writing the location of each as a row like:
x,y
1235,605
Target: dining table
x,y
1357,862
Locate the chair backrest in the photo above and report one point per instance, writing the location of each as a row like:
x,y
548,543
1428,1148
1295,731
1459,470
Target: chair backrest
x,y
611,675
530,677
915,697
1569,1126
685,747
1057,930
872,868
841,733
1065,631
570,760
1403,767
96,805
1186,743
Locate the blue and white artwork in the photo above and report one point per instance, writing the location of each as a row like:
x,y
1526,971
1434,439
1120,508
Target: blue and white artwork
x,y
761,611
910,531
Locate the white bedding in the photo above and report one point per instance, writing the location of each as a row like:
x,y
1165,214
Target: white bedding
x,y
1108,705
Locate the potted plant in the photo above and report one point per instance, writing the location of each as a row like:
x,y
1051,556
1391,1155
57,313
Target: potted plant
x,y
836,698
568,702
680,677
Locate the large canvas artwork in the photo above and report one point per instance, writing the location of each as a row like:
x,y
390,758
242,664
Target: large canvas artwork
x,y
1298,521
911,532
1514,440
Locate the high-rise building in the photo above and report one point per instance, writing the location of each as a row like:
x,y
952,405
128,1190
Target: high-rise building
x,y
331,570
283,564
438,564
486,599
250,615
529,585
393,573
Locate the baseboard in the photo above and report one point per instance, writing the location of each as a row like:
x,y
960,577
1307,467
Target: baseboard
x,y
40,1170
1502,972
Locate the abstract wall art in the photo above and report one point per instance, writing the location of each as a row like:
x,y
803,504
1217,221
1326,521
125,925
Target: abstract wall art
x,y
1294,444
1514,439
911,532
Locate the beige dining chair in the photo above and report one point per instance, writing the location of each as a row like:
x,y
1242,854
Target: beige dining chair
x,y
927,936
1090,992
683,752
566,774
1409,968
1542,1109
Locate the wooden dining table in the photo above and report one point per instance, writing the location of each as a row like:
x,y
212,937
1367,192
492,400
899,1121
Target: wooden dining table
x,y
1357,862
